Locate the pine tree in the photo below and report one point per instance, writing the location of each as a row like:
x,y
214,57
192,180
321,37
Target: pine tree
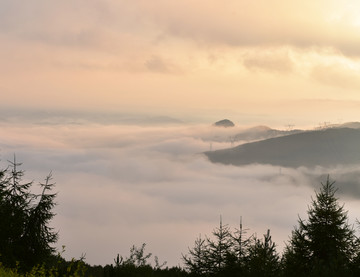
x,y
263,260
297,255
224,254
325,244
240,243
197,261
25,235
220,248
38,235
14,211
210,256
237,257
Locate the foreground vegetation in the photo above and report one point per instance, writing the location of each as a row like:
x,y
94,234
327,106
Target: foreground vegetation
x,y
324,244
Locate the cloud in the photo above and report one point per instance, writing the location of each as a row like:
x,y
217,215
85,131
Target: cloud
x,y
272,61
257,23
119,55
121,185
338,75
237,24
157,64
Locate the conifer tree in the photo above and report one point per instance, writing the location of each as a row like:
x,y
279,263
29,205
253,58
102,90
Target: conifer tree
x,y
297,255
325,244
263,260
197,261
14,210
240,243
220,248
38,235
25,235
224,254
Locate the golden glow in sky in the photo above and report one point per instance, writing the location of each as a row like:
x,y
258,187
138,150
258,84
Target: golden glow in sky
x,y
273,58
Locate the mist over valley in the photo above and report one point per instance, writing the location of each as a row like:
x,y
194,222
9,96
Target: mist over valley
x,y
131,184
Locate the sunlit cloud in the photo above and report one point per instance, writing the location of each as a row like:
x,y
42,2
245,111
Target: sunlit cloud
x,y
139,56
339,75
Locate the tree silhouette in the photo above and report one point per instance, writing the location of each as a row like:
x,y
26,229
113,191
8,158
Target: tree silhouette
x,y
25,235
241,243
325,244
263,260
220,248
232,254
197,260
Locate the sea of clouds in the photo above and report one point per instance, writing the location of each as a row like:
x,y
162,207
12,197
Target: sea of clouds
x,y
121,184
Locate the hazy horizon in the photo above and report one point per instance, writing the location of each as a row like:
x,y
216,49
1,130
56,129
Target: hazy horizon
x,y
242,121
117,98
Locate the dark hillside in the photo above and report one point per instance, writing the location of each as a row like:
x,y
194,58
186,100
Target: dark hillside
x,y
321,147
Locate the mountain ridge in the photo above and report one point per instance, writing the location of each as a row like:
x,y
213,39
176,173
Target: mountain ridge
x,y
323,147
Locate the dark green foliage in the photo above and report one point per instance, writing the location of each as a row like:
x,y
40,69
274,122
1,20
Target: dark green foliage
x,y
297,256
220,248
25,235
240,244
231,254
263,260
237,260
73,268
137,264
210,256
197,261
325,244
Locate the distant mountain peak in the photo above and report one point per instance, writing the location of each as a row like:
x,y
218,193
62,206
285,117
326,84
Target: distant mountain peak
x,y
224,123
260,128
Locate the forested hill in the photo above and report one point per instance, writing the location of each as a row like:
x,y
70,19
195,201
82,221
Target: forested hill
x,y
321,147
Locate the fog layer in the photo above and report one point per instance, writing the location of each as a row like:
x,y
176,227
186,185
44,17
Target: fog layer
x,y
120,185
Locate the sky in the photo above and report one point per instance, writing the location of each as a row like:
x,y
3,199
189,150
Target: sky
x,y
116,98
284,61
